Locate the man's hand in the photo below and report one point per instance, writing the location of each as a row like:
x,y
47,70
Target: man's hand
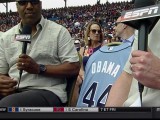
x,y
27,64
7,85
145,67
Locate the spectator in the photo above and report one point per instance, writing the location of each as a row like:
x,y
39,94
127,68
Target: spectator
x,y
93,40
80,14
77,44
120,32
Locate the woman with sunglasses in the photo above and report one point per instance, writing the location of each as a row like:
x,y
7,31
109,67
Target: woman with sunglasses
x,y
50,58
93,41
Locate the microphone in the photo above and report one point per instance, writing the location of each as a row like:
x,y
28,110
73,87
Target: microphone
x,y
24,37
143,17
143,11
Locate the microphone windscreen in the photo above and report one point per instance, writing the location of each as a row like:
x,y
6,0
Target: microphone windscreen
x,y
143,3
27,29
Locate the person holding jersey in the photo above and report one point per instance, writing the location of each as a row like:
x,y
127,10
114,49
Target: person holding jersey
x,y
50,58
143,67
104,67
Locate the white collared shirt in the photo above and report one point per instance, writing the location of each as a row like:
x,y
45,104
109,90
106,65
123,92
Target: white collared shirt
x,y
50,45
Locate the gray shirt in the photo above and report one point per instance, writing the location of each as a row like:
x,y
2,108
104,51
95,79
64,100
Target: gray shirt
x,y
50,45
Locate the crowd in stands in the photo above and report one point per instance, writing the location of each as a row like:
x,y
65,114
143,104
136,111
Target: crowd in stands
x,y
75,18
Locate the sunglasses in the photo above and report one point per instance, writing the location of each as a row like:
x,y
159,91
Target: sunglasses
x,y
33,2
94,31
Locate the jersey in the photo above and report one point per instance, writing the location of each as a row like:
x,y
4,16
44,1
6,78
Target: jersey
x,y
102,69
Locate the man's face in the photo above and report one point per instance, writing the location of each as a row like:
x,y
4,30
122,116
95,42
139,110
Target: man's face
x,y
119,28
29,11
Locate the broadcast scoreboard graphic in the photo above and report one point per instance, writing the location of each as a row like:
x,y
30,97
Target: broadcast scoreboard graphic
x,y
78,109
49,109
80,112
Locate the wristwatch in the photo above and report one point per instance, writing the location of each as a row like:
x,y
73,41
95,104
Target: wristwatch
x,y
42,68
